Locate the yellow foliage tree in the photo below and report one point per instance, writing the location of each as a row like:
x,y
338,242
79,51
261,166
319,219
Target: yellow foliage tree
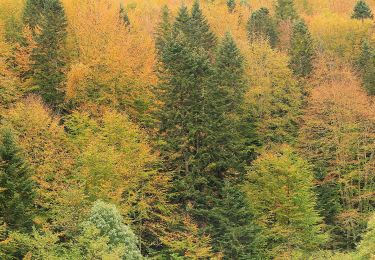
x,y
48,151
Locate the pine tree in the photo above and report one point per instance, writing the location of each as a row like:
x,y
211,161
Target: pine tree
x,y
48,57
301,50
16,186
231,4
362,11
262,25
365,65
285,10
280,189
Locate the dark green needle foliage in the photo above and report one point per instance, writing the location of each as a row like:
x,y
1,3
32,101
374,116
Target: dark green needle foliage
x,y
231,4
301,50
262,25
362,11
32,12
200,32
285,10
202,91
16,186
48,59
365,65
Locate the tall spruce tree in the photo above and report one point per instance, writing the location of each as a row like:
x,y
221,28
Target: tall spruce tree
x,y
285,10
365,65
16,186
362,11
48,59
200,32
199,123
262,25
32,13
301,50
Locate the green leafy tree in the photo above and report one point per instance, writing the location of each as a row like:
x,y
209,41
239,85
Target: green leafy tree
x,y
107,219
16,186
285,10
231,4
261,24
48,59
362,11
280,189
301,50
365,65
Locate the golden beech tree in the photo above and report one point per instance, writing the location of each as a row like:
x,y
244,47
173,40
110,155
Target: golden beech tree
x,y
111,63
338,138
270,81
48,151
116,164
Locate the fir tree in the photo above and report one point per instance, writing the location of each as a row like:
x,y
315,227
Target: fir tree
x,y
200,31
261,24
362,11
33,12
231,4
365,65
301,50
199,122
163,31
280,189
48,57
16,186
285,10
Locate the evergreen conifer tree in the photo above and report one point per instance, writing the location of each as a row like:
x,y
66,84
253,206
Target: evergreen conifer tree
x,y
261,24
362,11
32,13
231,4
163,31
48,58
16,186
301,50
200,32
199,121
285,10
365,65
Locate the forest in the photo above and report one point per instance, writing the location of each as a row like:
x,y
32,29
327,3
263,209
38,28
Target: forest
x,y
187,129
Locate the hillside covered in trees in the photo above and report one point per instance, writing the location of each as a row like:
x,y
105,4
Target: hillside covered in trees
x,y
168,129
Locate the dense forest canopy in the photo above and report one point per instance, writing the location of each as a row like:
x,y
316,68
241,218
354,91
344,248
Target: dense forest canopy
x,y
196,129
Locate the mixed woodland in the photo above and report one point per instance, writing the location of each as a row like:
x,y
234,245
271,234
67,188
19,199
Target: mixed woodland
x,y
169,129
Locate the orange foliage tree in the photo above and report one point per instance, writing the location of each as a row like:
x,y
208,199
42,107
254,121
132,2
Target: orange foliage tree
x,y
338,137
